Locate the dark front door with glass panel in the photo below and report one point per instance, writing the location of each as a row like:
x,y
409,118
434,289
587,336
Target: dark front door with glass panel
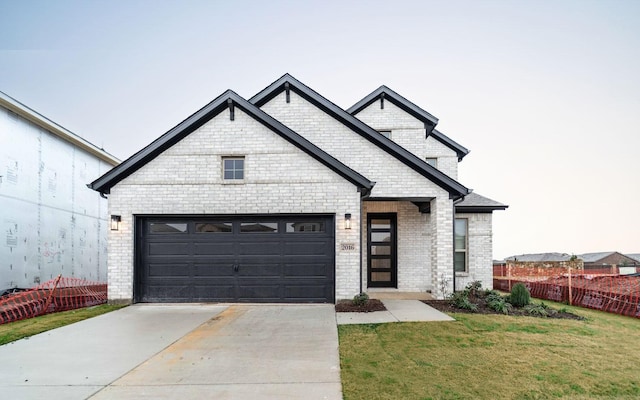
x,y
382,269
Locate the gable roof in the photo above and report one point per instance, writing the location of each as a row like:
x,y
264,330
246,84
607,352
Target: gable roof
x,y
199,118
597,257
287,82
474,203
429,120
383,91
592,257
45,123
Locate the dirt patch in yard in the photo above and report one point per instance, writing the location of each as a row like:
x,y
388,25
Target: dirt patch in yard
x,y
370,306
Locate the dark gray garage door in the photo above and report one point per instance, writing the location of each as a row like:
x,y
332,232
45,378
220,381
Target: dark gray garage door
x,y
235,259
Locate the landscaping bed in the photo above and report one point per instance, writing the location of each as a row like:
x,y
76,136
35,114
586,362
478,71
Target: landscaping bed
x,y
446,307
477,301
369,305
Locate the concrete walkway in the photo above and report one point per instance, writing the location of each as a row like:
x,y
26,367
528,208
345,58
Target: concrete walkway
x,y
181,351
397,311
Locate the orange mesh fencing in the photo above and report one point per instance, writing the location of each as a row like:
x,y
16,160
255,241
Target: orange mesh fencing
x,y
597,289
60,294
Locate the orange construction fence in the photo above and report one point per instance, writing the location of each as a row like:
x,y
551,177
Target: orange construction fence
x,y
56,295
595,289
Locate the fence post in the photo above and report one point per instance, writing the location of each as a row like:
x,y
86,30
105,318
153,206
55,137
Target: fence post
x,y
50,298
570,294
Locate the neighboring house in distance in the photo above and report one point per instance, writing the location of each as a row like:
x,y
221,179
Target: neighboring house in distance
x,y
51,222
607,259
286,197
540,257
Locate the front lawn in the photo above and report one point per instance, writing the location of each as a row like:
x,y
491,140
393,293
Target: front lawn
x,y
32,326
493,357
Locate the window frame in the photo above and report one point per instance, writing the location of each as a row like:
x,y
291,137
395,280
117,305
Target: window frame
x,y
234,170
464,251
435,161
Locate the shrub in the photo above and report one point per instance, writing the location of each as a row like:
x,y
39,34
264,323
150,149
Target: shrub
x,y
461,300
474,286
360,299
520,296
490,292
537,310
498,303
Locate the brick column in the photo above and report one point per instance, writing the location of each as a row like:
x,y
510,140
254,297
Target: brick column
x,y
442,246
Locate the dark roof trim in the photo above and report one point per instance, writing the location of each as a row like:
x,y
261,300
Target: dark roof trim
x,y
199,118
479,209
456,190
476,204
460,150
429,120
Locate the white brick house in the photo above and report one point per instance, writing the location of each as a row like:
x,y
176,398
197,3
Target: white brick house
x,y
286,197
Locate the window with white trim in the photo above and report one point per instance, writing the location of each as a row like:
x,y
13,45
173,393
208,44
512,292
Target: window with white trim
x,y
233,168
433,161
461,244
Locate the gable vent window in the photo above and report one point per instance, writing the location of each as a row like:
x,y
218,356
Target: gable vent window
x,y
432,161
233,168
386,134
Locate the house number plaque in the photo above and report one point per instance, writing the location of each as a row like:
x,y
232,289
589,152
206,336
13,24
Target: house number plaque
x,y
347,246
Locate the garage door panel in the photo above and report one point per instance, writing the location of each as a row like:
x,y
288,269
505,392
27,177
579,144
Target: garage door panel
x,y
168,292
231,260
307,292
168,248
271,247
311,271
306,248
166,270
259,270
259,291
215,292
214,248
218,270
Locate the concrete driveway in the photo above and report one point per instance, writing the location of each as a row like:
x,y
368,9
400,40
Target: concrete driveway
x,y
181,351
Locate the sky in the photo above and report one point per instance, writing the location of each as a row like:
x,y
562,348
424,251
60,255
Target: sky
x,y
545,94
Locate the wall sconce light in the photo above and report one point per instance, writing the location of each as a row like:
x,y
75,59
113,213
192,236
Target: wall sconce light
x,y
115,222
347,221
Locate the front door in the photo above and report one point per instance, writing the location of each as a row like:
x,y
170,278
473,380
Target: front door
x,y
382,267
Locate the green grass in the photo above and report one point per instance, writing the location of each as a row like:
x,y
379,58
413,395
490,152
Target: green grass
x,y
29,327
493,357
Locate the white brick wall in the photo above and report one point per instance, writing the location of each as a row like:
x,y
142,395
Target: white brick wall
x,y
409,132
187,179
480,266
392,177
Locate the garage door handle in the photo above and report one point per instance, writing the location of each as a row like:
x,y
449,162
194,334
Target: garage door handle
x,y
236,267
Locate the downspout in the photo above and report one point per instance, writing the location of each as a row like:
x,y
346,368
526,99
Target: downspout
x,y
363,195
360,245
453,240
